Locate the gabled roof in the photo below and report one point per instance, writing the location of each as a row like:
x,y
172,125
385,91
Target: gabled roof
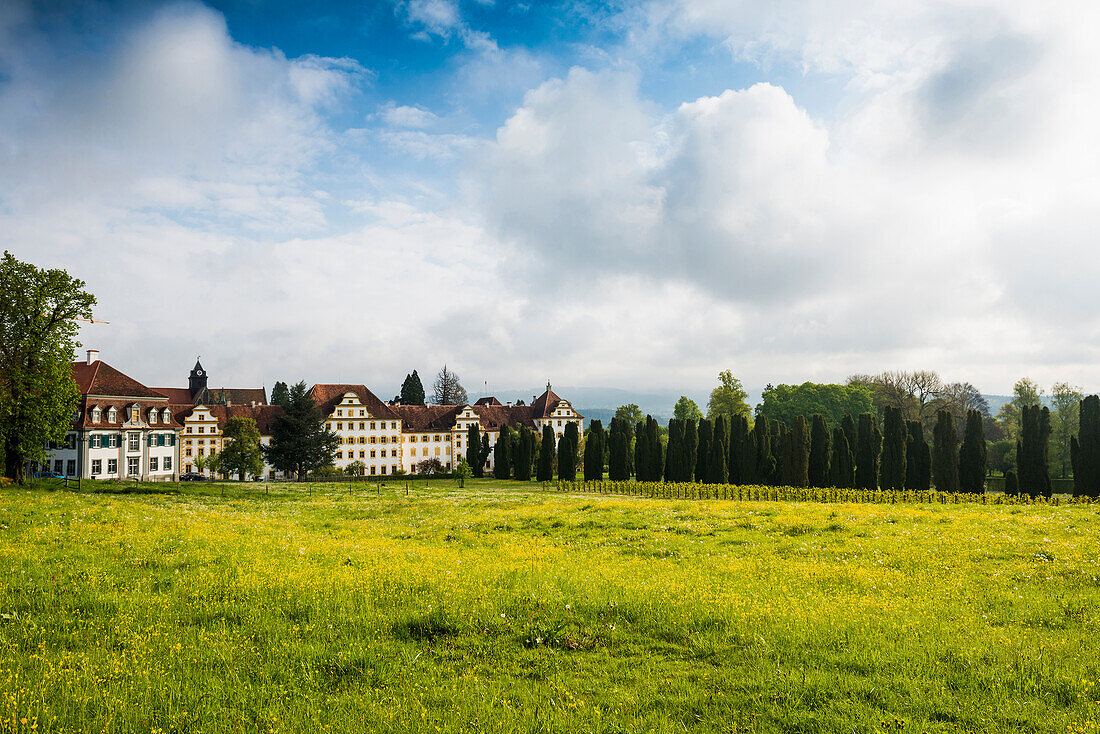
x,y
122,406
427,417
544,404
217,395
493,417
100,378
488,401
264,415
177,395
327,396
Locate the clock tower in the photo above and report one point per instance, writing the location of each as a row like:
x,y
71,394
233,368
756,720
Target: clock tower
x,y
196,381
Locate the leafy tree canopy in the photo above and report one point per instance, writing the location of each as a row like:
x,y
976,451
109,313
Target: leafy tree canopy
x,y
728,398
241,453
630,413
686,409
784,402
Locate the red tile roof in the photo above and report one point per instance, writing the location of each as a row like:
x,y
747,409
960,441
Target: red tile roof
x,y
328,396
264,415
426,417
544,404
100,378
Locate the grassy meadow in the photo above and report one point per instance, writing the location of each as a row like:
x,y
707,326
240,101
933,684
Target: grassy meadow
x,y
504,607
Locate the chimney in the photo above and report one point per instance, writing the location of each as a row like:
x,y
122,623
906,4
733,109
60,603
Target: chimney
x,y
253,403
509,403
93,355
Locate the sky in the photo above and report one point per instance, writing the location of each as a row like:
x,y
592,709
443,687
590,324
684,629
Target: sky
x,y
625,194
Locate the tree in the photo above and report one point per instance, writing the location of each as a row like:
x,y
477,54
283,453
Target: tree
x,y
428,466
1025,393
618,469
477,451
654,450
765,457
796,456
630,413
912,392
38,395
241,448
280,394
1086,449
447,390
841,464
739,435
957,398
1000,455
412,390
717,462
463,471
784,402
819,452
1012,484
870,446
945,453
728,398
686,409
300,439
358,468
641,453
524,456
546,456
892,468
593,452
675,454
1066,400
702,454
848,425
691,449
567,453
972,455
1032,450
918,459
503,452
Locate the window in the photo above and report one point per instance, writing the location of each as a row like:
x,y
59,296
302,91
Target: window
x,y
189,429
372,469
70,468
559,423
97,467
95,441
339,414
438,438
187,453
362,414
112,466
373,439
393,425
202,451
437,451
339,454
362,439
133,466
362,425
383,469
154,465
423,451
114,442
362,454
393,453
96,412
112,415
372,425
167,415
412,439
339,426
372,454
202,429
383,439
202,441
167,463
135,411
134,442
152,415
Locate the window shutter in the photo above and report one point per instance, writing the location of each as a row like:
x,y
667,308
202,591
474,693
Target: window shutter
x,y
151,439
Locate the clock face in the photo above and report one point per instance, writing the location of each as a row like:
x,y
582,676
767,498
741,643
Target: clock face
x,y
198,372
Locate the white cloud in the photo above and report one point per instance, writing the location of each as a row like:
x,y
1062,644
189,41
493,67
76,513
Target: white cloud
x,y
406,115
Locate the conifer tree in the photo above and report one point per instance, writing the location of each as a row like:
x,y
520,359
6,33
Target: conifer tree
x,y
765,458
945,453
412,390
819,452
702,453
641,453
717,468
477,450
280,394
654,450
918,459
567,463
894,434
593,453
502,453
618,468
972,455
1012,484
546,455
739,433
779,433
524,454
691,441
1085,449
800,452
1032,452
674,454
748,456
848,425
867,456
841,465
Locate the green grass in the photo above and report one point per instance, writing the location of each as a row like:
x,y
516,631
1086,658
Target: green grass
x,y
507,607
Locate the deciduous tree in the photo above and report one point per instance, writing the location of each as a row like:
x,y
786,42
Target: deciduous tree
x,y
728,398
241,452
686,409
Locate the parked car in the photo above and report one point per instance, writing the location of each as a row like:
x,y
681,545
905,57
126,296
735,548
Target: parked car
x,y
192,476
49,475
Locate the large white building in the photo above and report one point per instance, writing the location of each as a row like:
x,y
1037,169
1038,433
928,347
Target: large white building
x,y
389,438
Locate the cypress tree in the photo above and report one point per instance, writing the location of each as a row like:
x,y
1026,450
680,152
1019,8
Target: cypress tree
x,y
618,468
567,462
593,452
945,453
867,455
819,452
892,468
800,452
546,456
918,459
748,455
848,425
702,454
691,440
765,459
717,466
673,455
1085,450
972,455
477,450
778,436
502,453
654,450
841,465
641,453
1012,484
1032,451
525,454
739,433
